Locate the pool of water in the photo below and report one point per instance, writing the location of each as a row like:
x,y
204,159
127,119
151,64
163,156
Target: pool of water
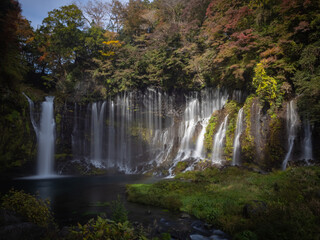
x,y
77,199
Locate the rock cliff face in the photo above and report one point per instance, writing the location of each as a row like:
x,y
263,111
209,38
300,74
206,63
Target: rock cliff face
x,y
155,131
18,140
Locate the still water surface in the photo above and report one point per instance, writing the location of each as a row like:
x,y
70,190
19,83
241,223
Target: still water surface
x,y
77,199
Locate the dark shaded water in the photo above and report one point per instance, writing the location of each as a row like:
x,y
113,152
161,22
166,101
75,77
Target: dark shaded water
x,y
77,199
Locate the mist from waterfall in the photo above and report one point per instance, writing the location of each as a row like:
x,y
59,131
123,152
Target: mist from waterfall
x,y
292,123
237,135
307,141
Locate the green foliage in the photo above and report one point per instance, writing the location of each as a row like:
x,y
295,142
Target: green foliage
x,y
247,141
119,212
29,207
246,235
104,229
232,109
16,142
274,149
180,167
307,81
266,86
211,129
12,68
283,203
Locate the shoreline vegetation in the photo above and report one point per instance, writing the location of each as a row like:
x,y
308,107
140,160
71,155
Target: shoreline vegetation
x,y
244,204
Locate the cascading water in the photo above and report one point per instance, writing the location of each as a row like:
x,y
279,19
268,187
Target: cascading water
x,y
187,129
46,140
210,102
307,142
97,121
292,122
137,130
33,122
219,141
236,143
111,136
45,137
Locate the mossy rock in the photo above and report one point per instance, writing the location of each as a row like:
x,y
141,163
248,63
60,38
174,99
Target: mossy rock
x,y
181,166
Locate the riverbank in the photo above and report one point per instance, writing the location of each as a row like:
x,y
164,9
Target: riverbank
x,y
245,204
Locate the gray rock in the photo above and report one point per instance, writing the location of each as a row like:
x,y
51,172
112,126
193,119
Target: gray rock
x,y
198,237
8,217
22,231
185,215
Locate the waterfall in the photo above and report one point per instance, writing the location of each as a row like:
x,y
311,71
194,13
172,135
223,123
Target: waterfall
x,y
136,131
46,139
218,142
33,122
97,130
307,142
292,122
210,102
111,136
236,143
187,129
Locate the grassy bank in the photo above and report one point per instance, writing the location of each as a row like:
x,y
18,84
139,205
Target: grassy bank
x,y
247,205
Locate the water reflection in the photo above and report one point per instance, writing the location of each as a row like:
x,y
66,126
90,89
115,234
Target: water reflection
x,y
76,199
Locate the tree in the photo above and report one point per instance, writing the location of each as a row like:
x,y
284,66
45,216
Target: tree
x,y
307,82
11,68
62,39
96,12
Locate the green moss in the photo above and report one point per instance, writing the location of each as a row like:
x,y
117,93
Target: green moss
x,y
62,156
210,130
274,150
142,133
58,118
180,167
247,141
282,204
232,109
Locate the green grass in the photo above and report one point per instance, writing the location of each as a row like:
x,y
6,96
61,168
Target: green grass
x,y
279,205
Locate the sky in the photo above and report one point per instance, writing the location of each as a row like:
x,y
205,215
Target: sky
x,y
36,10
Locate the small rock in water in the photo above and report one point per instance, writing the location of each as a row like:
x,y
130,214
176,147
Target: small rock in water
x,y
218,232
219,235
185,215
198,237
200,227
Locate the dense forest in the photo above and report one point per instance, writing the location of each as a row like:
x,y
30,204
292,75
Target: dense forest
x,y
85,52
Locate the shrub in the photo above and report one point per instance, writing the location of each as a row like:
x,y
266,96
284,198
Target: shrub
x,y
104,229
119,212
29,207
